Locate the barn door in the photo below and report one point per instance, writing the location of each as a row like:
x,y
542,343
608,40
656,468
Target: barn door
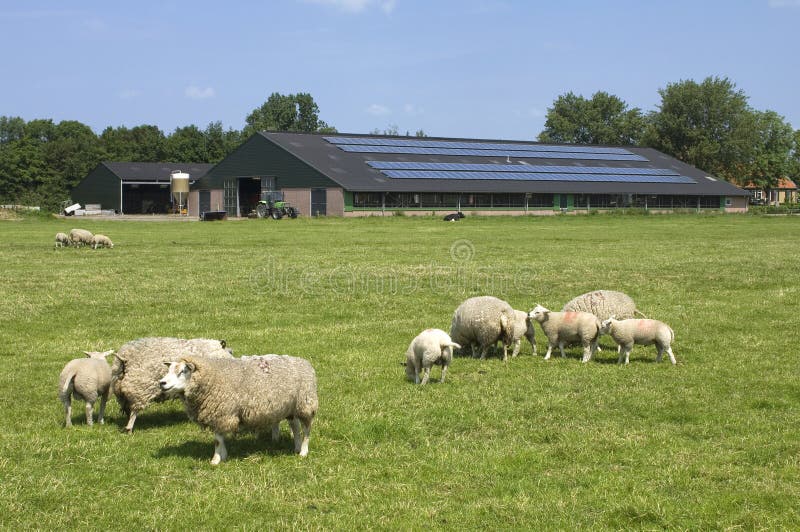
x,y
319,201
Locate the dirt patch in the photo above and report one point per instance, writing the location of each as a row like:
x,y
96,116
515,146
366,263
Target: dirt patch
x,y
8,214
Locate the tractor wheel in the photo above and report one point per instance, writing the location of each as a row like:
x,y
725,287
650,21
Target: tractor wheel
x,y
276,215
261,210
292,213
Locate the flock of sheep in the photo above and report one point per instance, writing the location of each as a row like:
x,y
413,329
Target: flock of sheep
x,y
480,322
256,393
82,237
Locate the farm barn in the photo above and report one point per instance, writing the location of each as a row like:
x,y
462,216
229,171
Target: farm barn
x,y
360,175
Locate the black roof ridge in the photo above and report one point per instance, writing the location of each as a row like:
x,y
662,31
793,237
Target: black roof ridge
x,y
300,158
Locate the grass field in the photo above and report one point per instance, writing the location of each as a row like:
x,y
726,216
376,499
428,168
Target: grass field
x,y
712,443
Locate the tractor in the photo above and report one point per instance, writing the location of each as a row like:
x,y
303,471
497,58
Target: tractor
x,y
272,205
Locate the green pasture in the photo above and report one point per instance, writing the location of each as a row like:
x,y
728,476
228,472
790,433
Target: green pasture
x,y
712,443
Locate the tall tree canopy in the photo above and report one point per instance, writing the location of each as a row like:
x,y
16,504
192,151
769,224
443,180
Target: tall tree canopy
x,y
603,119
290,112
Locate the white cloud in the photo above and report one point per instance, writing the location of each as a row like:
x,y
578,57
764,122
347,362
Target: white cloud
x,y
378,110
196,93
129,94
784,3
356,6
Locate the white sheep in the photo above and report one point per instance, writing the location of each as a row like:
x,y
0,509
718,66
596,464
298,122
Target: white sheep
x,y
523,328
62,240
80,237
139,364
483,321
85,379
226,395
101,241
563,328
431,346
626,333
603,304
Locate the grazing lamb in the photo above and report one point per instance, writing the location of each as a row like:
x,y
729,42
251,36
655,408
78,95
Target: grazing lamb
x,y
642,332
563,328
80,237
523,327
431,346
62,240
603,304
454,217
101,241
226,395
85,379
482,321
139,364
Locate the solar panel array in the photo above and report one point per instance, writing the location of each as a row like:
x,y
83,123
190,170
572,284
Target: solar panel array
x,y
519,172
480,149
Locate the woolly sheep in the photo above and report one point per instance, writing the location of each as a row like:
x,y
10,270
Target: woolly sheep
x,y
603,304
482,321
101,241
139,364
80,237
562,328
226,395
431,346
642,332
523,328
85,379
62,240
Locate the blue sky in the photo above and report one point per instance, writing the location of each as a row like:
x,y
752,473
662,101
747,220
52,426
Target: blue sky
x,y
470,68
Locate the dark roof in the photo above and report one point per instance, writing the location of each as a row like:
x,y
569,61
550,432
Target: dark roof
x,y
155,172
349,169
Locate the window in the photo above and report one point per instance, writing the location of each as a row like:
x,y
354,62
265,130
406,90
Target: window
x,y
367,199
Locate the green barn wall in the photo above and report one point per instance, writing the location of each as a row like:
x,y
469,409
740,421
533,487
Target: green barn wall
x,y
100,186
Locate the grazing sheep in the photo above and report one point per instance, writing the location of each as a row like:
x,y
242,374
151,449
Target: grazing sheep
x,y
139,364
101,241
562,328
80,237
454,217
228,394
603,304
85,379
523,327
431,346
482,321
62,240
641,332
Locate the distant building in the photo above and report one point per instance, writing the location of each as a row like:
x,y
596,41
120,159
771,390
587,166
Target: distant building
x,y
785,191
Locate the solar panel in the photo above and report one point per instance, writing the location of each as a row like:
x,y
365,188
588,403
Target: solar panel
x,y
470,167
520,154
536,176
419,143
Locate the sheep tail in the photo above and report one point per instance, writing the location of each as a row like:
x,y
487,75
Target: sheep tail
x,y
453,345
68,385
640,313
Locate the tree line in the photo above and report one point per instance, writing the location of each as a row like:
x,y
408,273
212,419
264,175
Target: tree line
x,y
709,125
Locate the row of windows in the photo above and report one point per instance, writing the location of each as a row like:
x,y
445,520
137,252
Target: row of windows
x,y
431,200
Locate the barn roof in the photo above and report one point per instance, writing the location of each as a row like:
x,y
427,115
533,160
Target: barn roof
x,y
154,172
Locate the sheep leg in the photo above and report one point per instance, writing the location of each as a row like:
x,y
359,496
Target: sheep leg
x,y
621,354
426,374
89,412
505,352
220,452
561,347
671,355
444,372
588,349
549,350
102,413
131,421
306,423
68,410
301,438
517,345
276,432
627,352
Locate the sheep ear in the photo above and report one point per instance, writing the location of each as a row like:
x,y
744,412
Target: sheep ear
x,y
192,367
168,364
88,354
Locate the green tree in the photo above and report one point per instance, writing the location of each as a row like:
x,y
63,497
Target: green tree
x,y
144,143
290,112
220,143
186,144
11,128
773,146
603,119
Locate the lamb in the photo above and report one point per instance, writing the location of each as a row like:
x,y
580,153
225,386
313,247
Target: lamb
x,y
101,241
80,237
643,332
228,394
62,240
138,366
603,304
483,321
523,327
85,379
431,346
562,328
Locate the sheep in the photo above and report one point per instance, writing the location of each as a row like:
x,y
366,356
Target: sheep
x,y
138,365
62,240
101,241
85,379
643,332
603,304
431,346
454,217
80,237
562,328
523,327
483,321
228,394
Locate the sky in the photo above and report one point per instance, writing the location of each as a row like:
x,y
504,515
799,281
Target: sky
x,y
469,68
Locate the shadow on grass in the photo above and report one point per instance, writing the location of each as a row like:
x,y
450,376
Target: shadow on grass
x,y
150,420
238,447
